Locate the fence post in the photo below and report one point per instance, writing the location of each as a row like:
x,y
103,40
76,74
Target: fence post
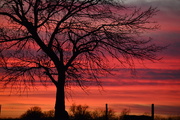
x,y
0,109
152,111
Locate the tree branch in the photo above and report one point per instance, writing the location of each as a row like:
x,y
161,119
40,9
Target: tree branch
x,y
11,16
16,39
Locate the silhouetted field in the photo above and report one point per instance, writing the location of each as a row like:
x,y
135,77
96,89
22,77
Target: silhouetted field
x,y
25,119
157,118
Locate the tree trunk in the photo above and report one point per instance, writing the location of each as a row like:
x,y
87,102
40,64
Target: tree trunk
x,y
60,112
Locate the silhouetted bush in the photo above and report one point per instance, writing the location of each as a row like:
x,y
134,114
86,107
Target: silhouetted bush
x,y
79,112
49,114
34,113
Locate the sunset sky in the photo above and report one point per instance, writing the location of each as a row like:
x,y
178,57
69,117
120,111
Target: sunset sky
x,y
157,83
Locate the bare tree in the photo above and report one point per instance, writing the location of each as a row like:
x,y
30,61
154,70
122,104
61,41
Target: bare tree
x,y
67,42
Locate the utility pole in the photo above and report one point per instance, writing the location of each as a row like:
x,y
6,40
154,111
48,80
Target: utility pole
x,y
106,111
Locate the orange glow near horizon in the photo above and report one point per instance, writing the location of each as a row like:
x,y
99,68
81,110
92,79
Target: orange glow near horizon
x,y
130,95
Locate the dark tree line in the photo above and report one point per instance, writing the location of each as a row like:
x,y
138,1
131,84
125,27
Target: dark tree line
x,y
69,42
76,112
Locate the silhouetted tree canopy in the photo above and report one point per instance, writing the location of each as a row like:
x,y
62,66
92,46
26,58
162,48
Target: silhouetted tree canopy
x,y
69,42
